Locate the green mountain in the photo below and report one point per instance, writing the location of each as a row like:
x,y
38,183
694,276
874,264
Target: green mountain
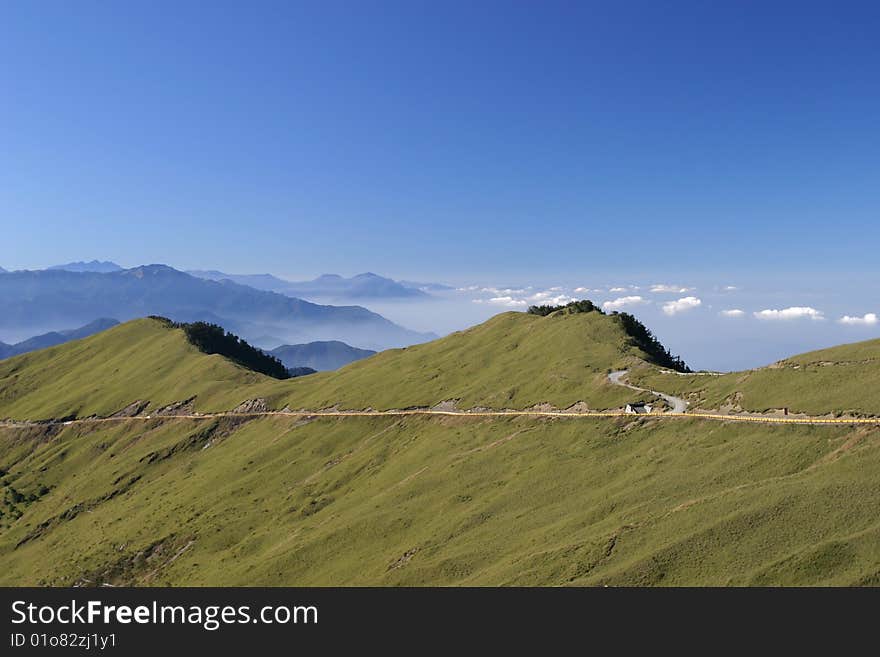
x,y
144,359
240,499
514,360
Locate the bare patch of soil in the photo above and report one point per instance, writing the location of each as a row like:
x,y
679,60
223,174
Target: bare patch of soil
x,y
401,561
134,408
252,406
184,407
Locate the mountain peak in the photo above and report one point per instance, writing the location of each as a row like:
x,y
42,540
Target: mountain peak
x,y
152,270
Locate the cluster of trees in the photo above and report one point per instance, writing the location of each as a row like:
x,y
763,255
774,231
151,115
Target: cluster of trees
x,y
641,337
583,306
213,339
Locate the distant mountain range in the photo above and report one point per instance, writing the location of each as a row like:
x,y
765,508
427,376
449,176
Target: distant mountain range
x,y
328,286
320,355
49,299
55,338
362,286
95,266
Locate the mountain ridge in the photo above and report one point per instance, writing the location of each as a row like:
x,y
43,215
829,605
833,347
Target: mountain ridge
x,y
94,266
514,360
47,298
326,286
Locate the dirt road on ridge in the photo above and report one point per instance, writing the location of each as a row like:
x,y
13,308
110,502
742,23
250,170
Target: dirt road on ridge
x,y
678,404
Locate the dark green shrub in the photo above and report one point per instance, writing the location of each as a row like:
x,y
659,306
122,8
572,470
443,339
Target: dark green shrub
x,y
213,339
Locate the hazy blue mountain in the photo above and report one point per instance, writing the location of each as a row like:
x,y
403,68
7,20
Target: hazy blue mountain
x,y
95,266
300,371
46,300
320,355
328,286
55,337
2,271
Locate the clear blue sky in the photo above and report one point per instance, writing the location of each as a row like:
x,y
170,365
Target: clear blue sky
x,y
443,139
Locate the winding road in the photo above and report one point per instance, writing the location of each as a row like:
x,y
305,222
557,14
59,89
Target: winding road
x,y
678,404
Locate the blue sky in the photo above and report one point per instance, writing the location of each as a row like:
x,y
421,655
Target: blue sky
x,y
505,143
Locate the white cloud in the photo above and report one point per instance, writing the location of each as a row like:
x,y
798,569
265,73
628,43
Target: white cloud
x,y
795,312
551,297
682,305
868,319
733,312
524,296
506,301
623,302
505,291
669,289
729,288
581,290
619,289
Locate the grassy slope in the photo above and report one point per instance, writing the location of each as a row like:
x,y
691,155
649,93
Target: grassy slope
x,y
841,381
417,500
139,360
512,361
449,501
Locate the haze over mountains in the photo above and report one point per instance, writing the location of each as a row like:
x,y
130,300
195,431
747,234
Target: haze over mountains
x,y
34,301
55,337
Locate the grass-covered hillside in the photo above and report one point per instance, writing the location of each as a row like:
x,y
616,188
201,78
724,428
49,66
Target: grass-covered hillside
x,y
142,360
514,360
442,501
842,380
239,500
